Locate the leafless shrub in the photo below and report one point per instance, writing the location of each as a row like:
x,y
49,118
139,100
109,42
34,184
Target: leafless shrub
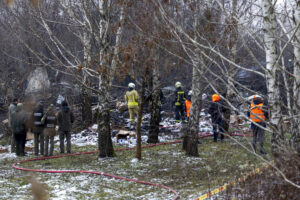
x,y
269,184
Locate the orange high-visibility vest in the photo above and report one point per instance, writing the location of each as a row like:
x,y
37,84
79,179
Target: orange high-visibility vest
x,y
188,107
257,114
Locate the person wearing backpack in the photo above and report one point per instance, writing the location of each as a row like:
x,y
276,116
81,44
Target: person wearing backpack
x,y
179,102
258,115
18,125
65,119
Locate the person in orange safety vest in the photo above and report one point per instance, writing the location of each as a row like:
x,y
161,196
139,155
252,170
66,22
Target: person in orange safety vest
x,y
258,115
188,104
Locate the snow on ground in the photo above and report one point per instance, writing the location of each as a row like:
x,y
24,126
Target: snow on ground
x,y
64,189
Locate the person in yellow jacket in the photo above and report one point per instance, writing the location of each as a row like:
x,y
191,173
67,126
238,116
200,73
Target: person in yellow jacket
x,y
132,98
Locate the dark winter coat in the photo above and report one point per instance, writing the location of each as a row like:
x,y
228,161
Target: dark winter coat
x,y
65,118
18,122
36,119
50,122
216,110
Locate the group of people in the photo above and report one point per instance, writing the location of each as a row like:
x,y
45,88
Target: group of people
x,y
258,112
43,123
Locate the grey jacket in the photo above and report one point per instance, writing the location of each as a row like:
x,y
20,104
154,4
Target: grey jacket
x,y
11,109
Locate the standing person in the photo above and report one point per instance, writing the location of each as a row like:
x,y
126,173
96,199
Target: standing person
x,y
179,102
215,110
49,131
132,98
258,115
65,118
188,104
38,128
12,108
18,125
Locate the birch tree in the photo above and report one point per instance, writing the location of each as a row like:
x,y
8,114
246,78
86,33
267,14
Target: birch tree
x,y
295,139
272,69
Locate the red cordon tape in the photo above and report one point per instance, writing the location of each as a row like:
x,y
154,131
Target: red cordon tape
x,y
97,173
105,174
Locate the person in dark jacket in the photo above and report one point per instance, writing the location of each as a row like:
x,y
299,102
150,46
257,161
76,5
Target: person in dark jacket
x,y
38,128
65,118
215,110
12,108
18,125
179,102
258,115
49,131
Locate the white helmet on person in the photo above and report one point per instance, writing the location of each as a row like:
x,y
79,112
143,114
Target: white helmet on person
x,y
177,84
131,85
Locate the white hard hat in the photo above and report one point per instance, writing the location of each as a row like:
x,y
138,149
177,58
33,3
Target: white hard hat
x,y
253,97
177,84
190,92
131,85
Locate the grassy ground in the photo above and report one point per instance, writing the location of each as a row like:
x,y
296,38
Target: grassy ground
x,y
217,164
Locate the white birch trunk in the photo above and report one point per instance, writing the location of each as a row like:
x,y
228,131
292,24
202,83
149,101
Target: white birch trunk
x,y
295,139
271,73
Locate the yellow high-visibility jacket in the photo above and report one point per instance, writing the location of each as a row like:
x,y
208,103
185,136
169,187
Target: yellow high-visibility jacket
x,y
132,98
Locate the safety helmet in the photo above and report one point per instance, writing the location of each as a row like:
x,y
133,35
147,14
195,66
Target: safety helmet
x,y
190,92
215,97
131,85
177,84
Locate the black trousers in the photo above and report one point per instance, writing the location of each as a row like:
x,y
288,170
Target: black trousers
x,y
62,135
258,135
20,143
179,113
39,141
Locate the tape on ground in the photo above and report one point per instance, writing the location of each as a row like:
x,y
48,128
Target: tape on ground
x,y
224,187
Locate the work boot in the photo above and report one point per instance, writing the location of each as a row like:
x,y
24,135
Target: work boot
x,y
263,152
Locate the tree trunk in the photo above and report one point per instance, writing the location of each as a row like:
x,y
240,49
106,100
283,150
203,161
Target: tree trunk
x,y
295,139
272,75
139,122
232,47
86,108
155,108
105,82
104,130
191,137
